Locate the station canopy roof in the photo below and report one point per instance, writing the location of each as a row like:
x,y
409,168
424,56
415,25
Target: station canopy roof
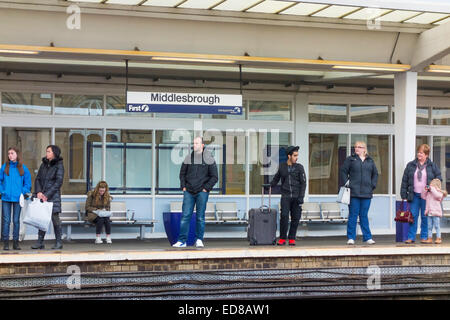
x,y
428,12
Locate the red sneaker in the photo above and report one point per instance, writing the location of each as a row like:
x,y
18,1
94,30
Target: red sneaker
x,y
281,242
291,242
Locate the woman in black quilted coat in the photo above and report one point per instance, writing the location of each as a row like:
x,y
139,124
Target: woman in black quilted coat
x,y
47,187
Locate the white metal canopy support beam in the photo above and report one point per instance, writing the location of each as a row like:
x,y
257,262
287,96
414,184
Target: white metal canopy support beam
x,y
405,97
414,5
431,45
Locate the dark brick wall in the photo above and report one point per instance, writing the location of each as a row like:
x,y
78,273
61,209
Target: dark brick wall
x,y
227,263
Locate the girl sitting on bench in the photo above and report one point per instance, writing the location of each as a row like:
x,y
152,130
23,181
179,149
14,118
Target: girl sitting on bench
x,y
98,206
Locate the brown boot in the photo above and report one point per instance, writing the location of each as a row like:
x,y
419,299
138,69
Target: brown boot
x,y
438,241
429,240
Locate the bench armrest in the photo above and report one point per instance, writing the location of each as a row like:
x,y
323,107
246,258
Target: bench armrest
x,y
132,214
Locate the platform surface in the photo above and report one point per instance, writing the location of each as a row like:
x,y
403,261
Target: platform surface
x,y
160,249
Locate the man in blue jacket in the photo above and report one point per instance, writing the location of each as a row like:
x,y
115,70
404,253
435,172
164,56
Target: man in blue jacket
x,y
15,179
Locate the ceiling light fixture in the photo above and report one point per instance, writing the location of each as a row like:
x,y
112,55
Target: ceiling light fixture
x,y
192,60
371,68
18,51
437,68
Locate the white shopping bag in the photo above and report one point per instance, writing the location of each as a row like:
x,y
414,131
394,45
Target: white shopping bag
x,y
39,214
344,194
23,228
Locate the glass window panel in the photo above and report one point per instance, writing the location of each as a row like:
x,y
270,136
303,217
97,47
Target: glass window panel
x,y
270,110
172,146
327,113
198,4
29,103
270,6
303,9
129,161
236,5
267,150
422,140
327,153
335,11
68,104
441,156
378,150
32,142
81,150
229,153
115,106
162,3
369,114
423,115
398,16
441,116
426,18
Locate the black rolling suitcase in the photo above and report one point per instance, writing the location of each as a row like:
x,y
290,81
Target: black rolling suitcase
x,y
262,223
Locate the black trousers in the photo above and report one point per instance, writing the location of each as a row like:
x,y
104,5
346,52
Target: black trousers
x,y
292,206
99,222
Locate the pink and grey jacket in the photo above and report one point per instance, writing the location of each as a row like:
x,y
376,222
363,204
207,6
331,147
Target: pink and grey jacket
x,y
433,199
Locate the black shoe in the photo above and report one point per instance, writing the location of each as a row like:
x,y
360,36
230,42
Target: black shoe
x,y
6,245
40,243
58,245
58,234
16,245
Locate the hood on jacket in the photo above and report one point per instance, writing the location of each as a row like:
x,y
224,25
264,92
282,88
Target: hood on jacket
x,y
53,161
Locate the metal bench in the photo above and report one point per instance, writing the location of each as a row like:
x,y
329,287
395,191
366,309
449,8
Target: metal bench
x,y
210,213
71,214
311,212
446,209
216,213
332,212
227,212
325,212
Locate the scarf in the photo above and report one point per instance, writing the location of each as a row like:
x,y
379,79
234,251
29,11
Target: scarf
x,y
420,168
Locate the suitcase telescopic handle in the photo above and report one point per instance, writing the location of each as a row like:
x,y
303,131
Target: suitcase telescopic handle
x,y
262,195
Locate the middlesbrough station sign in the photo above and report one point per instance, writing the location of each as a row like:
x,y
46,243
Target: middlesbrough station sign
x,y
184,103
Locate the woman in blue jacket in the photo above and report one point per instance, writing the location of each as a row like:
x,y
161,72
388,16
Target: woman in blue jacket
x,y
361,171
15,179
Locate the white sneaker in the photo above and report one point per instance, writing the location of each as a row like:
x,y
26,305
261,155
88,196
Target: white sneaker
x,y
108,240
370,241
199,243
351,241
179,244
98,240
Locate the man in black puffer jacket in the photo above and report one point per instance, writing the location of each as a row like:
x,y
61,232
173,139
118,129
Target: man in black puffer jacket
x,y
47,187
198,175
293,186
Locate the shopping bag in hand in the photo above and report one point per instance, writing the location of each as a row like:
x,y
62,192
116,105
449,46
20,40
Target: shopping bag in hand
x,y
39,214
344,194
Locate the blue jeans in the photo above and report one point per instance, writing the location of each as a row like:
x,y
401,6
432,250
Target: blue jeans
x,y
190,200
418,204
358,207
6,219
436,223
